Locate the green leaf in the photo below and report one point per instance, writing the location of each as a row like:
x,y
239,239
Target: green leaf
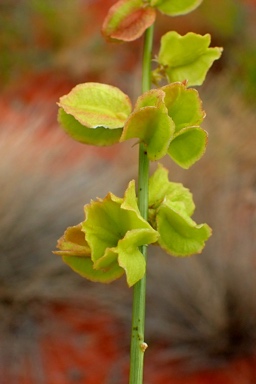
x,y
170,208
97,136
103,225
85,268
184,105
128,255
153,127
175,7
152,98
188,146
151,124
131,260
161,189
166,120
127,20
179,234
95,107
185,108
187,58
106,245
76,253
114,230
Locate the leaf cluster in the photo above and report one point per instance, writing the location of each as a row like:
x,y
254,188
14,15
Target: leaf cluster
x,y
107,243
167,121
127,20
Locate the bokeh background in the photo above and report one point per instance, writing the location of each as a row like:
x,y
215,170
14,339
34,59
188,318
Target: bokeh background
x,y
57,328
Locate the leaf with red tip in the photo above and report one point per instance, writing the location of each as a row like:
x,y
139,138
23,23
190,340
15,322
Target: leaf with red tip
x,y
127,20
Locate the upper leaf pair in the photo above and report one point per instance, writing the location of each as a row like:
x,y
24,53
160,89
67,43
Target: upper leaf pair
x,y
167,120
128,19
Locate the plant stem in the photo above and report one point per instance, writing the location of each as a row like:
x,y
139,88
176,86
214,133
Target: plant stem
x,y
139,293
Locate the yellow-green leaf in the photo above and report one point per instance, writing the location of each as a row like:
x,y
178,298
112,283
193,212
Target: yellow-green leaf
x,y
152,127
179,234
175,7
94,113
184,105
98,136
115,230
85,268
187,58
161,189
188,146
151,124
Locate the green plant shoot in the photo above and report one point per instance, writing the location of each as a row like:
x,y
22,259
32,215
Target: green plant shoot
x,y
111,241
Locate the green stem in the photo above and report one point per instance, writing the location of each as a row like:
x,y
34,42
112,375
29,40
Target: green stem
x,y
139,293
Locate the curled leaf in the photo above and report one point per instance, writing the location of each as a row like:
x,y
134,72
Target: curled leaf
x,y
175,7
152,98
185,108
76,253
167,121
73,243
161,188
170,208
188,146
115,230
98,136
179,234
127,20
187,57
106,245
151,124
153,127
85,268
94,113
184,105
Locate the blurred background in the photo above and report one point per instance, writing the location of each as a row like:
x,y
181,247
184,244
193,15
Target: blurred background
x,y
55,327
